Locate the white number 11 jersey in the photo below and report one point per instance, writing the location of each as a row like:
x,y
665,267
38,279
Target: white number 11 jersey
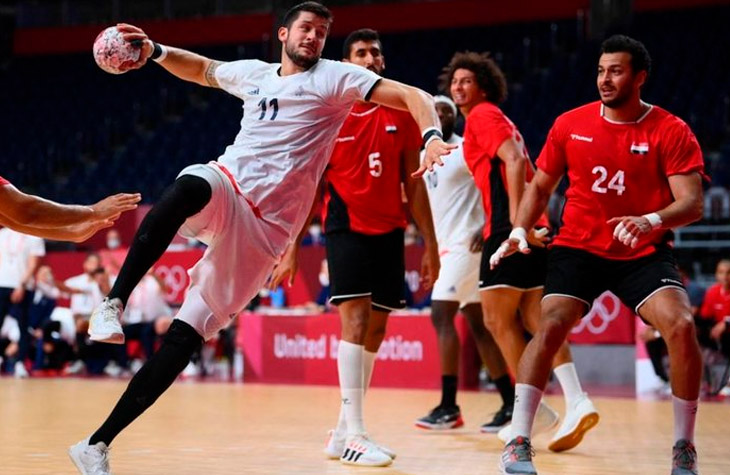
x,y
288,131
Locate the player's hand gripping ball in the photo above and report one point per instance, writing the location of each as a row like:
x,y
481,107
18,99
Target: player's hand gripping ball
x,y
112,53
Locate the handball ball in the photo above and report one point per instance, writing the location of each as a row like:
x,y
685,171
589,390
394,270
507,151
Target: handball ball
x,y
112,53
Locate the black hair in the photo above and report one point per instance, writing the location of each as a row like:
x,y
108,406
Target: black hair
x,y
312,7
363,34
640,59
489,77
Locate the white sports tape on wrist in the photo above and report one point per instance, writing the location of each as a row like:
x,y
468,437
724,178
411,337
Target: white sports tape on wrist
x,y
654,219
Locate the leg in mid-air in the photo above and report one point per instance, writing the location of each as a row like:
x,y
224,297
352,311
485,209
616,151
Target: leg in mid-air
x,y
187,196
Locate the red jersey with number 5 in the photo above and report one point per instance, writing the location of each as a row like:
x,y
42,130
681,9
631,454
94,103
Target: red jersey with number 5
x,y
616,169
364,175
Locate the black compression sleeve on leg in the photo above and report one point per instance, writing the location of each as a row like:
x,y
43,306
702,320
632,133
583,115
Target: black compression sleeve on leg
x,y
184,198
157,374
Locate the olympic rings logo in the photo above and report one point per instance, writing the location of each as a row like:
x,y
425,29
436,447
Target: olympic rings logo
x,y
176,280
606,308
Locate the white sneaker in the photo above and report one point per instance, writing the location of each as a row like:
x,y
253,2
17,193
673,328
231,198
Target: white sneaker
x,y
20,371
190,371
360,450
725,391
135,365
335,446
90,459
75,368
105,323
579,419
546,420
113,370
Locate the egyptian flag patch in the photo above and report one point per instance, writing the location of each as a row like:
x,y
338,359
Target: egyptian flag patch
x,y
391,129
641,148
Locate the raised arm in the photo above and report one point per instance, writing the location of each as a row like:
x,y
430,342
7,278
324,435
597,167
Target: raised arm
x,y
184,64
421,106
20,209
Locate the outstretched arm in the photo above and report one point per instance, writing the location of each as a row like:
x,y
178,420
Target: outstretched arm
x,y
184,64
421,106
74,233
20,209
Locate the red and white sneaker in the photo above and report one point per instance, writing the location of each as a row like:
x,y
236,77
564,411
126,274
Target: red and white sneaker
x,y
360,450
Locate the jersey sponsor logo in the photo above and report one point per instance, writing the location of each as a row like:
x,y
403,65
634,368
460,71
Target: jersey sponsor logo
x,y
641,148
253,92
391,129
452,289
581,138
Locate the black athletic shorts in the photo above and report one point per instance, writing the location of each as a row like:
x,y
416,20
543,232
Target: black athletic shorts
x,y
520,271
584,276
362,265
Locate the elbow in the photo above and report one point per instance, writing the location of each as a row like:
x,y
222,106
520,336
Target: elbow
x,y
516,160
698,209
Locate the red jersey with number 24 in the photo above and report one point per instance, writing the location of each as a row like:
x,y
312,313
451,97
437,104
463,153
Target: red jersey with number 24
x,y
364,175
616,169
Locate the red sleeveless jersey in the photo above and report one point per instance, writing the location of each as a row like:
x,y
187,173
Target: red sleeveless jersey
x,y
363,179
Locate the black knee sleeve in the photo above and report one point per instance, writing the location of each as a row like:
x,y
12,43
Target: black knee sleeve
x,y
183,336
187,195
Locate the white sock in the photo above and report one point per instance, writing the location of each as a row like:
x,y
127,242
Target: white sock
x,y
368,361
685,413
350,370
527,399
568,379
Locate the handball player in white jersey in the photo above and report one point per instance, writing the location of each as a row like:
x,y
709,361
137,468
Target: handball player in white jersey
x,y
249,204
458,217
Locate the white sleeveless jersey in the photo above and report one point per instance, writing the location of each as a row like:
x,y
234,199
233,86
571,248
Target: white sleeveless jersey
x,y
288,131
456,205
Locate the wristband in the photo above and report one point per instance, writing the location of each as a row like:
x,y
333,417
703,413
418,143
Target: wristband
x,y
654,219
431,134
159,52
518,233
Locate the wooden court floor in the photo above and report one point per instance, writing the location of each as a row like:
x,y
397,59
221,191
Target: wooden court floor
x,y
223,428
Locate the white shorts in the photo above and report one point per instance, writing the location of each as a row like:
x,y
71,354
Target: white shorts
x,y
242,251
459,277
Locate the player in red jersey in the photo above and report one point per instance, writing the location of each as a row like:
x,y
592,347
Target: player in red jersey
x,y
715,311
635,172
47,219
364,219
497,157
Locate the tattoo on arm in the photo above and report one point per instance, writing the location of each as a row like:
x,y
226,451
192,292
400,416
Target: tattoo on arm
x,y
210,73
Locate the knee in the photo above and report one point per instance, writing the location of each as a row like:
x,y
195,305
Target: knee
x,y
191,192
679,329
184,336
498,325
443,324
553,328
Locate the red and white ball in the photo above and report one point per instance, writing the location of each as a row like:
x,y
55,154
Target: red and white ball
x,y
112,53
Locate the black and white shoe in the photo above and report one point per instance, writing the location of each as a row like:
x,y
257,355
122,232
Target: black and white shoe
x,y
501,419
441,418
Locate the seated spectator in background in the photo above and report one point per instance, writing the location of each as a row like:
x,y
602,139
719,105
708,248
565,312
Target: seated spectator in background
x,y
714,319
43,300
20,256
9,345
314,237
146,318
87,291
115,252
323,298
